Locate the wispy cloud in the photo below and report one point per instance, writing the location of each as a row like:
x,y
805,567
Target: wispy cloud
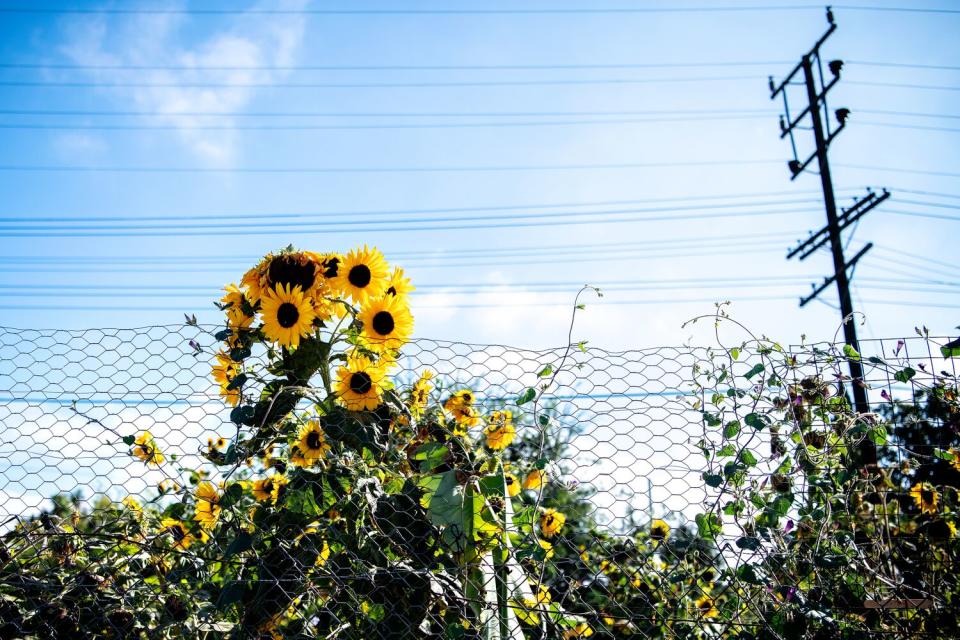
x,y
170,40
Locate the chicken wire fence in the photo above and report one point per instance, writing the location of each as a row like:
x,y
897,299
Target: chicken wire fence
x,y
632,450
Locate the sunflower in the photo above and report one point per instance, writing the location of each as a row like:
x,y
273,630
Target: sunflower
x,y
362,274
513,485
499,434
268,489
216,445
955,462
207,509
224,371
287,315
534,479
311,443
132,505
460,406
236,305
399,285
706,607
551,521
420,393
182,538
659,530
360,384
253,279
297,459
547,548
580,630
925,497
146,449
387,323
293,269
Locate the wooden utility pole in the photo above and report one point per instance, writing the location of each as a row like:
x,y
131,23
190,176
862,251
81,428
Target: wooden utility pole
x,y
811,70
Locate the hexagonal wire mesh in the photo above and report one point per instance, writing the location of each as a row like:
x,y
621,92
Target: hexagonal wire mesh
x,y
633,447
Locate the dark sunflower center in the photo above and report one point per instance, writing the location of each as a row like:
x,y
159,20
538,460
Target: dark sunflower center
x,y
287,270
392,291
330,267
313,440
287,315
178,533
510,481
706,605
383,323
361,383
360,276
268,486
926,496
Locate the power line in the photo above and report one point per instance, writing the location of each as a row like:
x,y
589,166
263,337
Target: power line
x,y
925,172
355,212
313,229
541,11
344,127
340,170
367,85
376,114
903,85
352,221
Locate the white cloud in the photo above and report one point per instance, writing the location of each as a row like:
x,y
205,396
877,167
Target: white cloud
x,y
161,40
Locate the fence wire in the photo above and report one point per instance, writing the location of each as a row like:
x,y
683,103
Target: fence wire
x,y
678,515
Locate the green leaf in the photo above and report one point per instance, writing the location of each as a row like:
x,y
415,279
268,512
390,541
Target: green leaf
x,y
708,525
944,455
735,353
726,451
731,429
950,350
582,345
874,360
756,420
712,479
526,396
230,594
750,543
430,455
547,370
243,542
129,440
747,458
878,435
302,501
757,368
850,352
904,374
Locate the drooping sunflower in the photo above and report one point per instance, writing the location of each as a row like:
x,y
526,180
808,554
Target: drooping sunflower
x,y
297,459
513,485
293,269
399,285
500,431
287,315
362,274
238,309
268,489
955,462
133,506
360,384
224,371
207,508
420,393
460,406
551,522
925,497
706,607
253,279
534,479
182,538
659,530
145,448
387,323
311,442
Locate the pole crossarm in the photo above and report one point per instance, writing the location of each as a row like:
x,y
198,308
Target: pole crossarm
x,y
849,215
828,281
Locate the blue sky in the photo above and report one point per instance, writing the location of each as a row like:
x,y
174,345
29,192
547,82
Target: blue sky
x,y
547,134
